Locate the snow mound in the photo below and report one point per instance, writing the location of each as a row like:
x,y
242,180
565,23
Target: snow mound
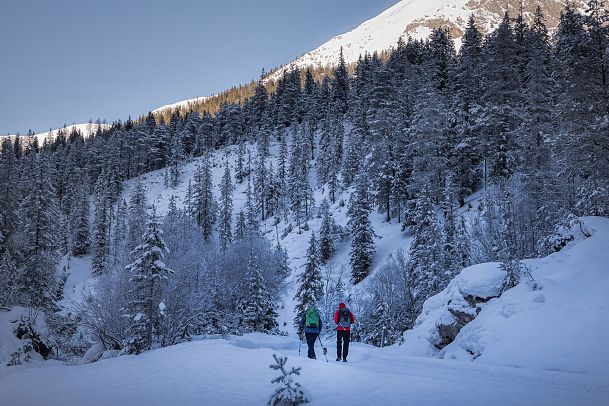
x,y
259,340
558,323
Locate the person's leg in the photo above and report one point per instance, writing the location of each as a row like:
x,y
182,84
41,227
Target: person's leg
x,y
311,337
346,337
339,346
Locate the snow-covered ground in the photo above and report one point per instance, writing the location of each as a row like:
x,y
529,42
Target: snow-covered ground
x,y
218,372
80,280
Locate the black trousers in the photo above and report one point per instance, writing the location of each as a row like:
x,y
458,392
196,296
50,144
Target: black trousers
x,y
342,343
311,337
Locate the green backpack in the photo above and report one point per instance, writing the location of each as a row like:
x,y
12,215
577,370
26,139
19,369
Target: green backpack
x,y
312,318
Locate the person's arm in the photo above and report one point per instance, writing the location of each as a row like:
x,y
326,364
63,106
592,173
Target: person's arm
x,y
320,324
336,317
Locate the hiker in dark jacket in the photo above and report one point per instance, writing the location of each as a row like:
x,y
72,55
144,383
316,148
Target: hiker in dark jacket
x,y
344,318
311,322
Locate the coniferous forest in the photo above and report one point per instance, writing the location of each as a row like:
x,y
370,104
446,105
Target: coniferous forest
x,y
519,116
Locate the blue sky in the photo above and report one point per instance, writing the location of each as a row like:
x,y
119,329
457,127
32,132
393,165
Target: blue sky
x,y
66,61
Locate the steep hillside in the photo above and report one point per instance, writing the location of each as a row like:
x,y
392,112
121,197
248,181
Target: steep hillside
x,y
390,236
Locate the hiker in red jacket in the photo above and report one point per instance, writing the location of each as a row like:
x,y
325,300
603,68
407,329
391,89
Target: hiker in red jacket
x,y
343,318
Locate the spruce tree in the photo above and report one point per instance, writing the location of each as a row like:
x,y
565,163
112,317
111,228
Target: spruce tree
x,y
147,272
340,85
101,226
326,233
310,286
226,208
38,215
79,219
426,257
257,308
204,205
362,245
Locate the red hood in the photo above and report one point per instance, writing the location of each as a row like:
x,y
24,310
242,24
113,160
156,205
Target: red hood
x,y
341,306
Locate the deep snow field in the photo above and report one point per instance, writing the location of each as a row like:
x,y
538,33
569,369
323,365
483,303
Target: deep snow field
x,y
217,372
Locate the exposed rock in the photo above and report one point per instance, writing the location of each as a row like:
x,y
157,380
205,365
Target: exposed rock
x,y
463,312
25,331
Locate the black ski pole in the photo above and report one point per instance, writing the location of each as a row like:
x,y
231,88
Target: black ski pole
x,y
299,345
325,350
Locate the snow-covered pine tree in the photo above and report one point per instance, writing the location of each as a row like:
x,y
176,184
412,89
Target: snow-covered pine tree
x,y
362,245
226,208
147,272
354,153
258,104
340,85
508,251
241,228
204,204
260,185
101,227
310,286
468,86
160,147
189,136
240,171
326,233
536,165
176,156
282,173
38,216
252,225
257,308
501,115
137,216
79,221
301,196
426,256
289,393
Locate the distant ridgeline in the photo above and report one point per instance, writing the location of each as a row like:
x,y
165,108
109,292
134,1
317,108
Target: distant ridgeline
x,y
518,113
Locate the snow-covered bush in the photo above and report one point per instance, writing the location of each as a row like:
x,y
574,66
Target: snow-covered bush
x,y
288,393
206,294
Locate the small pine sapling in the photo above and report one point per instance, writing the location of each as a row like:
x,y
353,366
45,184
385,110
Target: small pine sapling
x,y
288,393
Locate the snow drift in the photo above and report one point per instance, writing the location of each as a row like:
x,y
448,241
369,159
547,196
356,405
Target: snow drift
x,y
556,322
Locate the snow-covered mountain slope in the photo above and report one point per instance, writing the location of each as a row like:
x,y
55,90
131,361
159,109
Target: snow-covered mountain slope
x,y
86,129
417,18
558,322
390,236
184,103
414,18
